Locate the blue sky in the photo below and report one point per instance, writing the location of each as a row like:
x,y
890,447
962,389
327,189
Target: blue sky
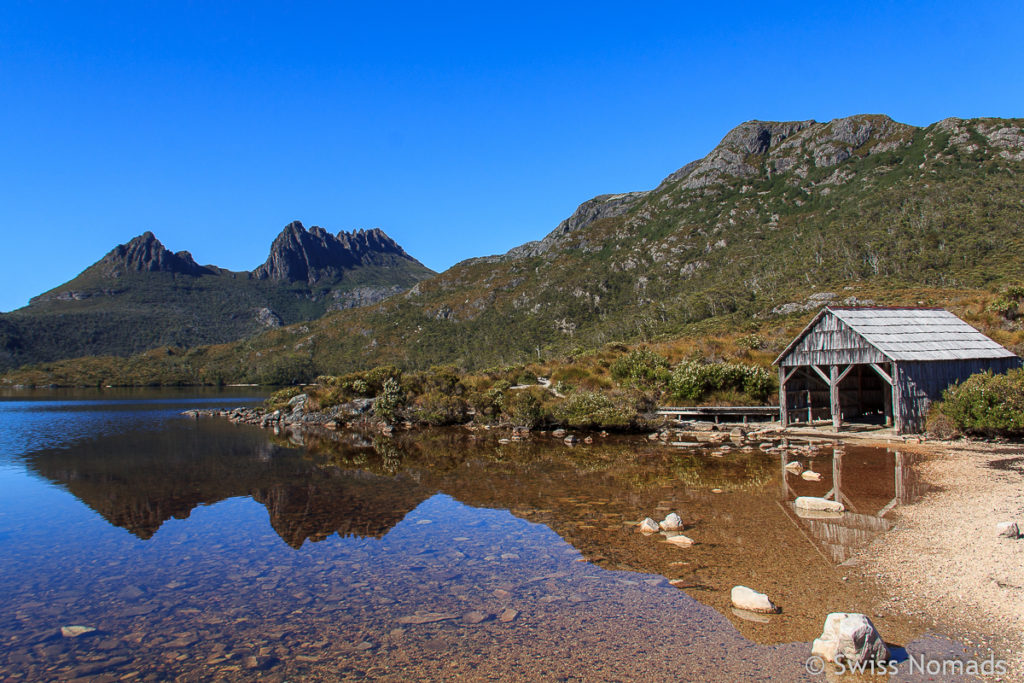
x,y
459,129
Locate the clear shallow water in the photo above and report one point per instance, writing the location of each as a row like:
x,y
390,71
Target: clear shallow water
x,y
202,550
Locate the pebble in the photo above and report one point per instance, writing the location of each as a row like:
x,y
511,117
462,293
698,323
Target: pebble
x,y
508,615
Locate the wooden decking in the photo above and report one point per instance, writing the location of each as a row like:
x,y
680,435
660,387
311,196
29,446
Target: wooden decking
x,y
720,413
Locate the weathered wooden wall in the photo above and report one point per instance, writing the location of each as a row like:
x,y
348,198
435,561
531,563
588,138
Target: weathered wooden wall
x,y
832,342
919,383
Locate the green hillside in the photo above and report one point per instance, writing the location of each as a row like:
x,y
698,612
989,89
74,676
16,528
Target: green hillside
x,y
777,220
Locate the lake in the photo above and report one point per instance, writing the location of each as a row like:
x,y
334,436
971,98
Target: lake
x,y
203,550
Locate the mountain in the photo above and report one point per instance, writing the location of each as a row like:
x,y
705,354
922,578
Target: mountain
x,y
779,218
141,295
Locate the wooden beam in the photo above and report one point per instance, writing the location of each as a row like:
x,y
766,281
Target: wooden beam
x,y
789,375
883,373
897,416
783,407
821,374
844,373
833,395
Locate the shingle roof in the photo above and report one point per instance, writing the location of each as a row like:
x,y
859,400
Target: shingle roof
x,y
919,334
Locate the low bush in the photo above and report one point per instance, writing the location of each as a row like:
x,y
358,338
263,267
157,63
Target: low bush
x,y
641,367
987,404
437,409
591,410
693,380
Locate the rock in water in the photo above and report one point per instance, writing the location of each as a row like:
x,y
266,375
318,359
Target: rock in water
x,y
680,540
672,522
850,638
1008,529
823,504
752,601
75,631
810,476
794,466
648,526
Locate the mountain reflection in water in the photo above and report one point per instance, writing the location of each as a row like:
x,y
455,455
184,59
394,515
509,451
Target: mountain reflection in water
x,y
736,507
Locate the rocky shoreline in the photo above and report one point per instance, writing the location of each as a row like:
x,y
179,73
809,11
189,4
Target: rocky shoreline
x,y
358,416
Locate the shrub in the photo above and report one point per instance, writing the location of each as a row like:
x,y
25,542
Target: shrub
x,y
692,380
437,408
752,342
940,425
280,398
390,399
987,404
524,409
591,410
641,367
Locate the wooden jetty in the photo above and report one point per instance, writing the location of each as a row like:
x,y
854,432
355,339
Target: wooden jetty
x,y
718,414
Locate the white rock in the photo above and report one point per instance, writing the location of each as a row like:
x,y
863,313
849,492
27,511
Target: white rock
x,y
822,504
850,638
752,601
810,476
75,631
672,522
1008,529
648,526
680,540
794,467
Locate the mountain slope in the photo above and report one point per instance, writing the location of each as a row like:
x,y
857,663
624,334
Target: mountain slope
x,y
777,212
141,295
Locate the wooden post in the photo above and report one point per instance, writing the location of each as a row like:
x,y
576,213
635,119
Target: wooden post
x,y
783,409
897,418
833,394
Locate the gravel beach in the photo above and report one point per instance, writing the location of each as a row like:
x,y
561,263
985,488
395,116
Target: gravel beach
x,y
945,562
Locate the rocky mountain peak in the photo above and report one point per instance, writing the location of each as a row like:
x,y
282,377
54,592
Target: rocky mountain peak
x,y
300,255
145,254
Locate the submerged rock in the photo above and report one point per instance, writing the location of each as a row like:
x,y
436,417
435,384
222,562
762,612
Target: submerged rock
x,y
850,637
75,631
749,599
680,541
820,504
810,476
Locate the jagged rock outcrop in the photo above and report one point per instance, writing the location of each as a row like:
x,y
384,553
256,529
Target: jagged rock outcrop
x,y
300,255
145,254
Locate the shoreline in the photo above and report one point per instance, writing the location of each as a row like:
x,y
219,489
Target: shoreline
x,y
944,560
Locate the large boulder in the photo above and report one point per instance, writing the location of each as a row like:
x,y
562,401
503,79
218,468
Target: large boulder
x,y
752,601
849,637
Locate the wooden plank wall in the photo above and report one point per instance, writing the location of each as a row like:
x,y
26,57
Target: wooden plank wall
x,y
919,383
832,342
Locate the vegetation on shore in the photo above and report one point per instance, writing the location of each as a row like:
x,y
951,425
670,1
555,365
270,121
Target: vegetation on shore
x,y
615,389
985,404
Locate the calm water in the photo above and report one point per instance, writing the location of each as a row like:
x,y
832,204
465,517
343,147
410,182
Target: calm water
x,y
201,550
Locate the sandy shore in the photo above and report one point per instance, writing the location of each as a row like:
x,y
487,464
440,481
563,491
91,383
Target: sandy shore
x,y
944,560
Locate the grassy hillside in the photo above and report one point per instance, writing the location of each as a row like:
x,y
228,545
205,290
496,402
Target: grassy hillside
x,y
777,220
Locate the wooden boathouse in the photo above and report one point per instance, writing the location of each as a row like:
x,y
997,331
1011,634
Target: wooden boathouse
x,y
882,365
